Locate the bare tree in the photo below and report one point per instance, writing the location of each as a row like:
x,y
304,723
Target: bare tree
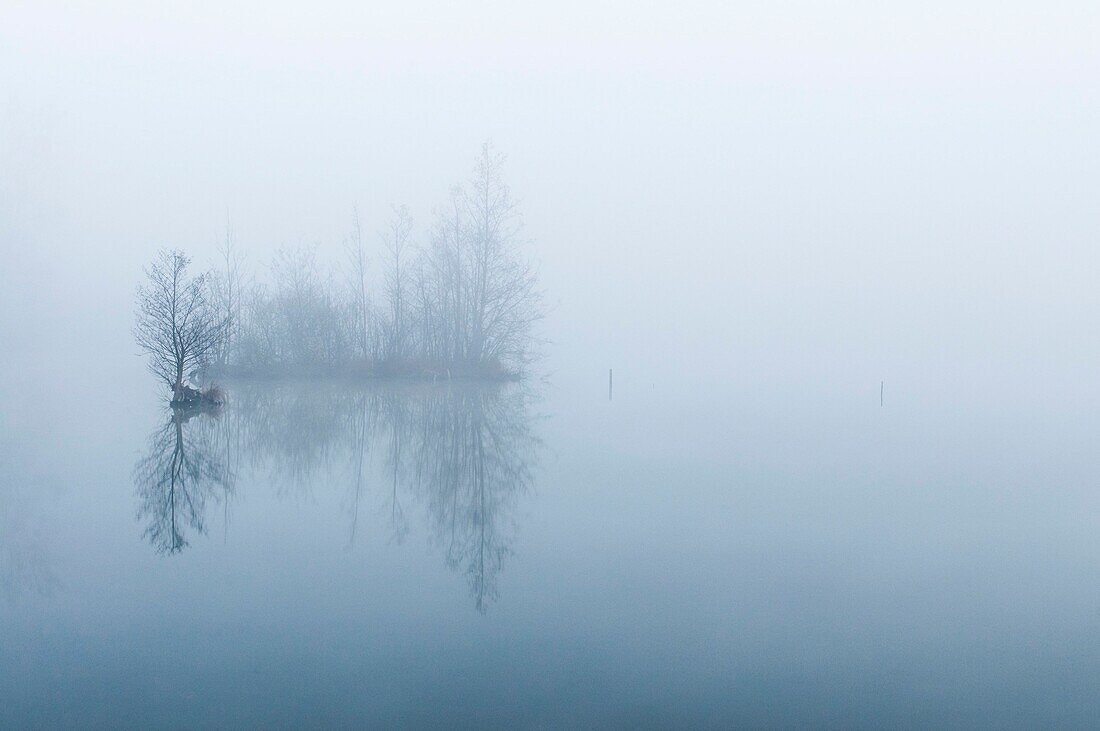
x,y
465,304
480,291
228,290
441,287
504,302
358,282
396,241
177,325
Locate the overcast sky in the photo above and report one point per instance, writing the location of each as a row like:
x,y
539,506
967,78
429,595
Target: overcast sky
x,y
811,187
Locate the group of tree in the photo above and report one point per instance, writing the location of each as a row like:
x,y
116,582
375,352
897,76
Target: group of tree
x,y
461,303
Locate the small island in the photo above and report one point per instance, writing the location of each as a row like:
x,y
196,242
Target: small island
x,y
461,305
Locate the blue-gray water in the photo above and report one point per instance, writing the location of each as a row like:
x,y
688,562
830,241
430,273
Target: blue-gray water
x,y
703,553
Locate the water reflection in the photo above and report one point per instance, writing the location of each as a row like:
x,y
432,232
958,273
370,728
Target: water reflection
x,y
182,470
461,455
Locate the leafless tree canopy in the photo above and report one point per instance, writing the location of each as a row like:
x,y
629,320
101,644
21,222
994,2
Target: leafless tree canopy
x,y
227,290
396,286
357,281
178,326
476,295
463,302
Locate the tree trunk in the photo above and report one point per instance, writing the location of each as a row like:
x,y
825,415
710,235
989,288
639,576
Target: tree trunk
x,y
177,388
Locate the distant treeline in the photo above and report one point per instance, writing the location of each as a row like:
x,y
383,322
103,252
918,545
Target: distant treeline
x,y
463,303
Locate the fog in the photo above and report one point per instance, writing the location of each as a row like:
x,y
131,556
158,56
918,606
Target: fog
x,y
819,190
758,214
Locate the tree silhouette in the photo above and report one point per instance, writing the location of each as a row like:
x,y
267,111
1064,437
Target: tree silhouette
x,y
182,469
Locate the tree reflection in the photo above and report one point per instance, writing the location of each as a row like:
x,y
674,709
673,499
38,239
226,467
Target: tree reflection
x,y
464,453
471,453
461,453
183,468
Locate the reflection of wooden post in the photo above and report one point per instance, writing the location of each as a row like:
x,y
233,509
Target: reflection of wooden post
x,y
608,384
881,386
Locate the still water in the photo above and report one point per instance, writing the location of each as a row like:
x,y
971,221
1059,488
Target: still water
x,y
537,555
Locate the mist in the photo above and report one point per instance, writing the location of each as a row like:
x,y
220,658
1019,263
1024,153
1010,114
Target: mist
x,y
749,189
774,221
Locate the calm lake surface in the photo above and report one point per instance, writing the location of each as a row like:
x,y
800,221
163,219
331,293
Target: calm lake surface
x,y
538,555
